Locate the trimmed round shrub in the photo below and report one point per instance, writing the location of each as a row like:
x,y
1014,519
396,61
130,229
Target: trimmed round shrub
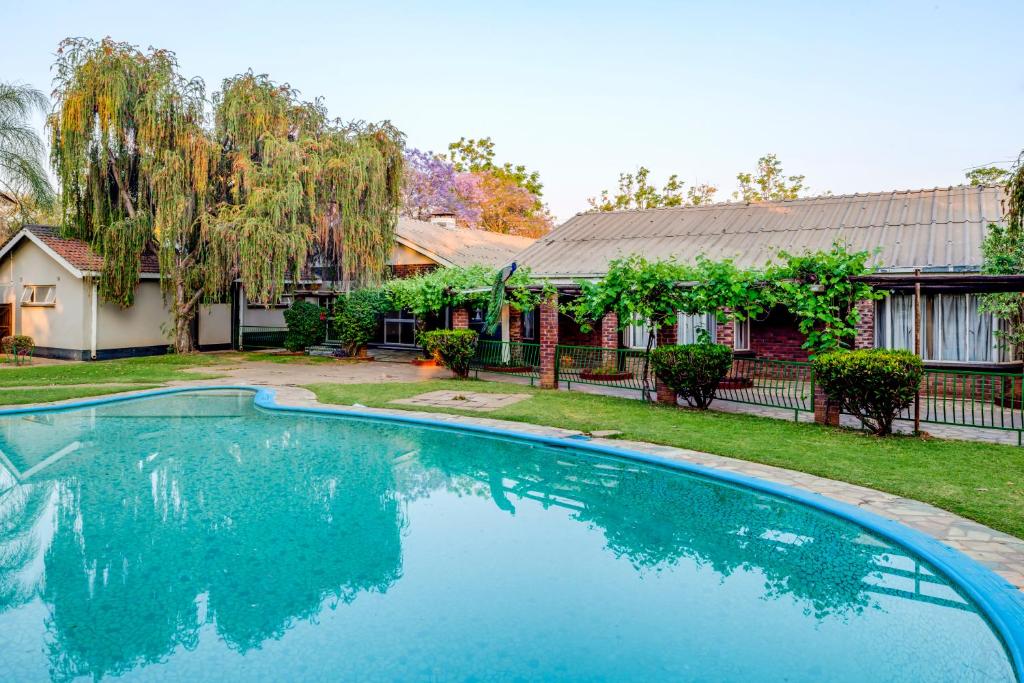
x,y
873,384
307,326
17,343
356,317
692,371
453,349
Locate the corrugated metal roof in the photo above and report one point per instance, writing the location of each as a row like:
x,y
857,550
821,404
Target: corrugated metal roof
x,y
460,246
938,229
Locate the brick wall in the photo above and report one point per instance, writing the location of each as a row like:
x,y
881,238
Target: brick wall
x,y
724,333
515,325
547,322
668,335
404,270
865,338
777,337
460,319
570,334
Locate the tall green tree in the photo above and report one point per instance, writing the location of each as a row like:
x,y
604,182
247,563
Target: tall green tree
x,y
1003,254
768,182
24,185
134,163
988,175
635,192
471,155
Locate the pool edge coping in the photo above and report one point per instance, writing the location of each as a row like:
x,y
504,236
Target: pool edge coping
x,y
1000,602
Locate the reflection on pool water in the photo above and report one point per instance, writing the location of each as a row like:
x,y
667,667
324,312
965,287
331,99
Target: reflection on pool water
x,y
195,537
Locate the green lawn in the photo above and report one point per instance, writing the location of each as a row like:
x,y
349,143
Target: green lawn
x,y
149,370
982,481
14,397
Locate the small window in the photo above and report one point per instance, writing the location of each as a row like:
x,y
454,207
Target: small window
x,y
741,335
39,295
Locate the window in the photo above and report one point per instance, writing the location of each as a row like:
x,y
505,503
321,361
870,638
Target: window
x,y
741,335
636,336
39,295
953,328
691,327
529,324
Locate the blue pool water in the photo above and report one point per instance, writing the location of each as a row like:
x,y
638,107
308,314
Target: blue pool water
x,y
197,537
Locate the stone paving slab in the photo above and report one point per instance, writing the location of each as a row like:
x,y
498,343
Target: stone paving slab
x,y
463,400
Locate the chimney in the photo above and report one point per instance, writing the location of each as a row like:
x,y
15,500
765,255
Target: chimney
x,y
443,218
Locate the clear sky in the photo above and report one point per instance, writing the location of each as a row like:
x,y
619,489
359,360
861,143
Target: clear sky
x,y
858,96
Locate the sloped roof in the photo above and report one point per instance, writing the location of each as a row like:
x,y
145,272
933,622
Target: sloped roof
x,y
77,253
937,229
453,246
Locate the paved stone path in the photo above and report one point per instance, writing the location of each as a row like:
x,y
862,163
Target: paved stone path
x,y
1001,552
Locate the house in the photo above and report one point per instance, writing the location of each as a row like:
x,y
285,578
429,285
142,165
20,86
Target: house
x,y
49,291
420,246
937,232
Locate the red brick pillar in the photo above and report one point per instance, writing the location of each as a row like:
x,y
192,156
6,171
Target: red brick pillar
x,y
865,338
515,325
548,322
460,319
666,335
610,331
825,412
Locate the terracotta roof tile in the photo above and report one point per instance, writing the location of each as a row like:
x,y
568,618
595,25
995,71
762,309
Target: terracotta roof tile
x,y
78,252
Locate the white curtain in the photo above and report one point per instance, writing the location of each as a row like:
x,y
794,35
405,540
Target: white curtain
x,y
952,327
690,327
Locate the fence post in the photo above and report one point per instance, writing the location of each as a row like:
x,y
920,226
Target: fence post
x,y
917,347
548,323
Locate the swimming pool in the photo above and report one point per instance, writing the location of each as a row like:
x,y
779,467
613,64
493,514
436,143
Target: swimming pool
x,y
199,536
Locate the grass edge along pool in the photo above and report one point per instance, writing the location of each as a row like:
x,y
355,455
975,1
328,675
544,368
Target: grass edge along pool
x,y
997,600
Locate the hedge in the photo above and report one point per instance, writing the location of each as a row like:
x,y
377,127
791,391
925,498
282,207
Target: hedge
x,y
873,384
692,371
453,349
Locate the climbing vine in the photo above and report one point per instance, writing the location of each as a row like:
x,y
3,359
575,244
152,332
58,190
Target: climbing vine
x,y
472,286
819,288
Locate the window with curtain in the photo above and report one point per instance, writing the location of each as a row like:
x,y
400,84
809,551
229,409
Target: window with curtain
x,y
529,324
953,328
690,327
741,335
635,336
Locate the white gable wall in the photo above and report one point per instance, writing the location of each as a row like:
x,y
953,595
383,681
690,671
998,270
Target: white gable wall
x,y
63,325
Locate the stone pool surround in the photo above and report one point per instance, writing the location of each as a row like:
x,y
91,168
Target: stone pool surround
x,y
955,546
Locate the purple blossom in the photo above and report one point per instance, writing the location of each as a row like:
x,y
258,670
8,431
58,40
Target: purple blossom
x,y
432,185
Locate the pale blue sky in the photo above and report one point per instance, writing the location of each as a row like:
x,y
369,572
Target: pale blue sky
x,y
858,96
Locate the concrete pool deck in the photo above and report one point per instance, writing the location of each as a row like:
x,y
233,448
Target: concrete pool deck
x,y
1000,552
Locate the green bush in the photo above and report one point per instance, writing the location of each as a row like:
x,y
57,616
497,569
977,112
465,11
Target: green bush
x,y
20,343
453,349
356,316
873,384
307,325
692,371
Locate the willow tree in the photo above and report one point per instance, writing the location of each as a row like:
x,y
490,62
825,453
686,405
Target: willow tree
x,y
296,188
271,185
134,163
